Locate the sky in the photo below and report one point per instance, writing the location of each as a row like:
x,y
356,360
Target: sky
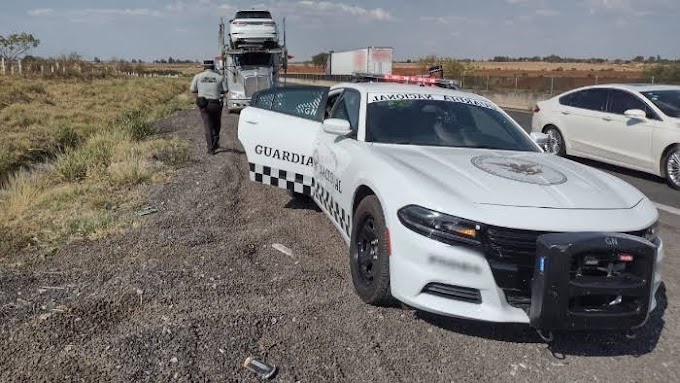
x,y
482,29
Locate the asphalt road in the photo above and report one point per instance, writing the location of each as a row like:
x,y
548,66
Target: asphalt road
x,y
654,187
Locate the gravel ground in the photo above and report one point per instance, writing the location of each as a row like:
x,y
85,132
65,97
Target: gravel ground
x,y
197,288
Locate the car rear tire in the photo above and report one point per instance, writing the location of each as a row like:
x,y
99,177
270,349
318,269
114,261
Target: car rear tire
x,y
671,166
555,144
369,254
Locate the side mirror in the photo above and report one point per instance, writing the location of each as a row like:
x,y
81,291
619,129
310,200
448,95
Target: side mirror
x,y
541,139
636,114
337,126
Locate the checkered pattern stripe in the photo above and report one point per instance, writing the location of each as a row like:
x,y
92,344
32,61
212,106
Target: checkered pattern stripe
x,y
282,179
334,210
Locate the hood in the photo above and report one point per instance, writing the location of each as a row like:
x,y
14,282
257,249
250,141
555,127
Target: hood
x,y
507,178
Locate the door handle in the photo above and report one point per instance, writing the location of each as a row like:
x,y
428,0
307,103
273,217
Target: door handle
x,y
566,113
251,122
607,118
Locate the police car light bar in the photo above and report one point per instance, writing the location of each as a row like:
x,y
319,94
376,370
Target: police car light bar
x,y
410,79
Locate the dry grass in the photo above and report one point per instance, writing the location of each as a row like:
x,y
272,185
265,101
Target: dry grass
x,y
37,116
103,152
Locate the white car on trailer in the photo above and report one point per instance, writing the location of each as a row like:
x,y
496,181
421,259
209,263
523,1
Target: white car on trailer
x,y
448,206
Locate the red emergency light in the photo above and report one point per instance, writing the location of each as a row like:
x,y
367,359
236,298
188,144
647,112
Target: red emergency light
x,y
410,79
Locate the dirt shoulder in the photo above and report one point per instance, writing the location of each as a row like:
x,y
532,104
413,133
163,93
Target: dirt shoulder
x,y
197,288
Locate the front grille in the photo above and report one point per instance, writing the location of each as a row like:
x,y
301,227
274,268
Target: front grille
x,y
511,253
255,83
458,293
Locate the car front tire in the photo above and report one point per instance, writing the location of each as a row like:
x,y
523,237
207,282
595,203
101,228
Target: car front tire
x,y
555,144
369,253
671,166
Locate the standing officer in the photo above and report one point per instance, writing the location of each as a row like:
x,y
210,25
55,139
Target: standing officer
x,y
210,86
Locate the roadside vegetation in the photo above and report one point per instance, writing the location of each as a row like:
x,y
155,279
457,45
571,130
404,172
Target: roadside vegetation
x,y
75,153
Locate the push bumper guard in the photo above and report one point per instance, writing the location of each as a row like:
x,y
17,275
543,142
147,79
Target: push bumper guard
x,y
591,281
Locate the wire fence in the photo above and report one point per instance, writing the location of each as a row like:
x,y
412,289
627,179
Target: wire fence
x,y
536,84
78,68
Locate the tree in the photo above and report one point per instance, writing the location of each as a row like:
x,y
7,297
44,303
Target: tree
x,y
320,59
638,59
15,45
97,60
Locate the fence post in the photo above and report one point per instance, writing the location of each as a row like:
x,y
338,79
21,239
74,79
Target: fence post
x,y
515,83
652,79
552,85
487,82
21,69
597,80
42,70
2,64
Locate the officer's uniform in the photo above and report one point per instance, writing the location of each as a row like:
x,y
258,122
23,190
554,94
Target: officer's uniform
x,y
210,87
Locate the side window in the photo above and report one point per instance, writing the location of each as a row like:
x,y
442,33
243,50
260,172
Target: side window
x,y
566,100
591,99
332,100
347,108
263,99
620,101
305,102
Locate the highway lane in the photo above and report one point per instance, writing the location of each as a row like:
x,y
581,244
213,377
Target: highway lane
x,y
653,187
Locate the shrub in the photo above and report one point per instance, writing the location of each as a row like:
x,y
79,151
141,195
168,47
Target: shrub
x,y
72,166
173,152
67,137
132,171
136,125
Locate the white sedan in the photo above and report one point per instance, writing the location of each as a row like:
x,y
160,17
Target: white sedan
x,y
448,206
634,126
253,27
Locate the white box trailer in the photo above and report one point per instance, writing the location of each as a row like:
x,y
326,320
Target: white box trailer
x,y
370,60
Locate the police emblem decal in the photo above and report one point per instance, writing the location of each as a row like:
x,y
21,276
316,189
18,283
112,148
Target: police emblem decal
x,y
519,169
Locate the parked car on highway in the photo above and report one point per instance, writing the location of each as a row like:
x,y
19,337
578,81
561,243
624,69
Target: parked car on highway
x,y
633,126
449,206
253,27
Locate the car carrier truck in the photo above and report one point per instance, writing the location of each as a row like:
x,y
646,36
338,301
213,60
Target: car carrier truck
x,y
249,68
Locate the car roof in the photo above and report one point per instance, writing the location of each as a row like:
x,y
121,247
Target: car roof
x,y
382,87
636,87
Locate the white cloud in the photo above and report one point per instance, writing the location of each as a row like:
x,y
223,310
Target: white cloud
x,y
326,7
41,12
632,8
547,12
225,8
517,2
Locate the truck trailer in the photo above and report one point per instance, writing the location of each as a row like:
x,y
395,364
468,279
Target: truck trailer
x,y
372,60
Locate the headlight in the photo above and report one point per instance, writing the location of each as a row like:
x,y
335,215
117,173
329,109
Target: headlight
x,y
439,226
652,233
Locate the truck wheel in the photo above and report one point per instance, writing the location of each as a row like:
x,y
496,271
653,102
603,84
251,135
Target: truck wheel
x,y
555,144
671,166
368,253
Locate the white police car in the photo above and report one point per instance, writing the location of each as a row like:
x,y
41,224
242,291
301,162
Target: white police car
x,y
448,206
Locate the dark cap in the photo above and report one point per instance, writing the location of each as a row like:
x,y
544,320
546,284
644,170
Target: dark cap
x,y
208,63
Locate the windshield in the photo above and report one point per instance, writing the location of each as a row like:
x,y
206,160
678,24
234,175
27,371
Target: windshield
x,y
253,15
435,120
253,59
666,100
